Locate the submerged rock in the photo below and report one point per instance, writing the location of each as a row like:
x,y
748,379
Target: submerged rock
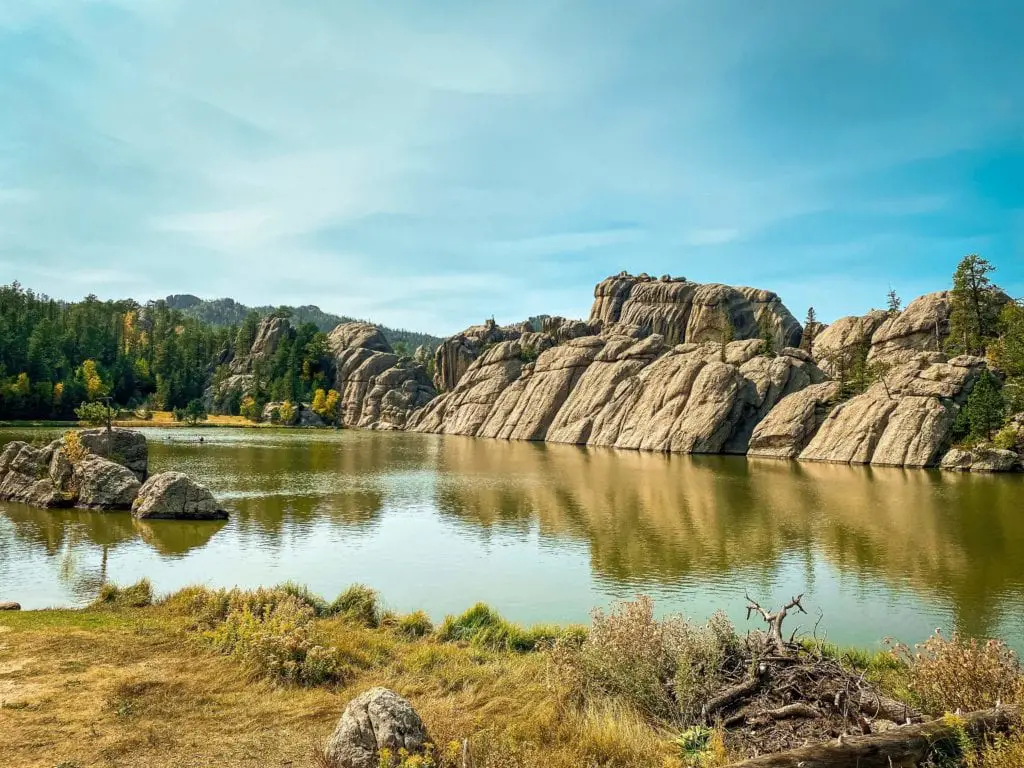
x,y
378,719
980,460
173,495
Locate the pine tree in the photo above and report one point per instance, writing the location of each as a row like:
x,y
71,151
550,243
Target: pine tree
x,y
810,330
894,303
985,406
975,305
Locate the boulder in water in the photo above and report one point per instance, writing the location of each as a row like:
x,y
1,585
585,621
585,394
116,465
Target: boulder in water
x,y
175,496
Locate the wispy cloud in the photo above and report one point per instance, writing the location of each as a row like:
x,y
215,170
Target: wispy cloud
x,y
436,164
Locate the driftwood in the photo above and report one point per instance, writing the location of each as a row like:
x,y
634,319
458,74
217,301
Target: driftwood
x,y
902,747
774,620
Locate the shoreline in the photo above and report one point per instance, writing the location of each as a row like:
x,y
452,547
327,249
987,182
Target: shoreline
x,y
151,681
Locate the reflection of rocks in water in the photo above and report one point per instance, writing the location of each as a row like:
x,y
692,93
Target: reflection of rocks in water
x,y
177,537
51,529
660,518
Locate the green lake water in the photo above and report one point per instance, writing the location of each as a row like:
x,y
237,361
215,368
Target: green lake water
x,y
548,532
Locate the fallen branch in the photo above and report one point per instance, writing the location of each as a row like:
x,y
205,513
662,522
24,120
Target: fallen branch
x,y
735,693
904,746
793,710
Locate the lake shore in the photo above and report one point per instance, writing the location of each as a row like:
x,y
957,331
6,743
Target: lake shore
x,y
218,677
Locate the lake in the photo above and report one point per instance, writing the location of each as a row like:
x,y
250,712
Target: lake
x,y
544,533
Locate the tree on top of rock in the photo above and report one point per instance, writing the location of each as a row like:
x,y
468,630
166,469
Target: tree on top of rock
x,y
975,305
894,304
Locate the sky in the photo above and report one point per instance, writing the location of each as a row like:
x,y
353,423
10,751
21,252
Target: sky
x,y
430,163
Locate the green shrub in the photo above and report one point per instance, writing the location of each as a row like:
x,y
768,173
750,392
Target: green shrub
x,y
483,627
138,595
279,642
359,603
415,624
1007,438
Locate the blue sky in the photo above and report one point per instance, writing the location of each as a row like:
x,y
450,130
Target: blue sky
x,y
429,163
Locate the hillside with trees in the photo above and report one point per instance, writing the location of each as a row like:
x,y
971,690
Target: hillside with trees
x,y
227,312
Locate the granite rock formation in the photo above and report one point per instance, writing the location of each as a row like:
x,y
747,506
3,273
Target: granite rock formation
x,y
905,419
981,460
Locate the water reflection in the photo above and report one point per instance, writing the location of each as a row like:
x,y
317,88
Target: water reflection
x,y
456,519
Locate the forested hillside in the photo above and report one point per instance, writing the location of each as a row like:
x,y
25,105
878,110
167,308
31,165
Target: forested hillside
x,y
221,312
56,355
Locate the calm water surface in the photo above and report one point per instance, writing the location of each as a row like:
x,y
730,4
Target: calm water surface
x,y
546,532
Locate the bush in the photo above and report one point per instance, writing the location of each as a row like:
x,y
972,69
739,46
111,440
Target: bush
x,y
483,627
279,642
416,624
304,595
138,595
947,674
661,668
1007,438
210,607
93,414
359,603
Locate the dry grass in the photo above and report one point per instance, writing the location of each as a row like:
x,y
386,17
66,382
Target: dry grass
x,y
166,419
119,686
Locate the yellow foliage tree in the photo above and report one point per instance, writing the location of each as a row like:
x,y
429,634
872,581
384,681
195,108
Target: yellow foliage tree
x,y
287,412
331,406
58,392
248,408
22,385
319,405
90,376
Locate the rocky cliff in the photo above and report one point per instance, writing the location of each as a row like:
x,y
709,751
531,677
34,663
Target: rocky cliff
x,y
649,370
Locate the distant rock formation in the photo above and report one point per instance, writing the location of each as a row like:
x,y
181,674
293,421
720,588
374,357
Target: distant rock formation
x,y
922,327
682,311
846,337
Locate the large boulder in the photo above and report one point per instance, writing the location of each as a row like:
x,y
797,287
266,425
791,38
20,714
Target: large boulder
x,y
123,446
357,335
980,460
102,484
378,719
681,311
393,394
454,355
836,347
175,496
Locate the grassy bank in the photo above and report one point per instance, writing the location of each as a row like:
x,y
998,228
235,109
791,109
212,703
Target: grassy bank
x,y
222,678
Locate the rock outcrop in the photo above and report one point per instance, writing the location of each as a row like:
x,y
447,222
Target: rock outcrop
x,y
981,460
682,311
358,335
378,719
619,391
454,355
905,419
271,331
175,496
10,605
922,327
835,347
123,446
51,477
790,425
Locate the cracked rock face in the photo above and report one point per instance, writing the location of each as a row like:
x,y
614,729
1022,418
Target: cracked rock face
x,y
175,496
373,721
904,420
